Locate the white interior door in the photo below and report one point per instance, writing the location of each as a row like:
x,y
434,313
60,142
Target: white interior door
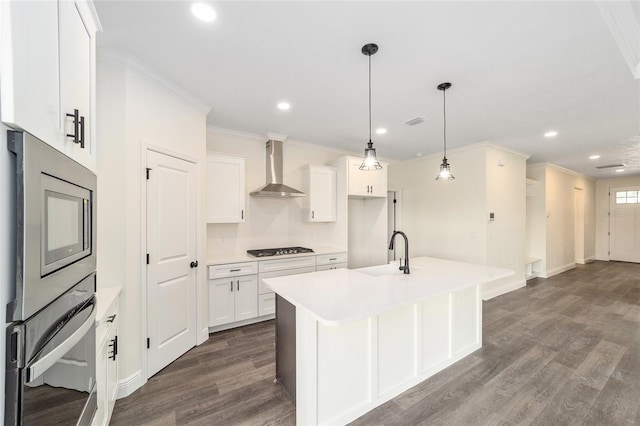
x,y
624,224
171,247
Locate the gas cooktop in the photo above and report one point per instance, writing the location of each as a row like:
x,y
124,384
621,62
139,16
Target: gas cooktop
x,y
278,251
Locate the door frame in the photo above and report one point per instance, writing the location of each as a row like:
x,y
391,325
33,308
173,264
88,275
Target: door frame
x,y
202,329
611,191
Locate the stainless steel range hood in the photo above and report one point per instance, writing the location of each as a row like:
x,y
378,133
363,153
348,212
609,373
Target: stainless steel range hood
x,y
275,187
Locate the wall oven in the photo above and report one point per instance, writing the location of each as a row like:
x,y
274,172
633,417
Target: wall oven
x,y
56,213
50,360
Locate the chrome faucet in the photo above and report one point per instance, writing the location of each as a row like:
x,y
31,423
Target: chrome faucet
x,y
404,268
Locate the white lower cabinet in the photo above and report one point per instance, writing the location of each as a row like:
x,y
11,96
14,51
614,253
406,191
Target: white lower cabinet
x,y
107,355
232,297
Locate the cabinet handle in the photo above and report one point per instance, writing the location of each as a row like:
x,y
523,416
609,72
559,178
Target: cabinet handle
x,y
367,189
111,318
234,270
231,285
76,124
114,348
242,214
313,214
372,189
333,258
82,132
238,285
193,264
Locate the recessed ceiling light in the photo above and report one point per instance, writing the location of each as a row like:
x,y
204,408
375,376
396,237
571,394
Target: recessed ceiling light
x,y
283,105
619,170
594,157
551,134
204,12
381,131
418,154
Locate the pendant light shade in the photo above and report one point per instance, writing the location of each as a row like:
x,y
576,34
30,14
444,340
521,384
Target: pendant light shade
x,y
370,161
445,168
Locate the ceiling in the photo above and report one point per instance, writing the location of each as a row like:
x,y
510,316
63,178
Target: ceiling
x,y
518,69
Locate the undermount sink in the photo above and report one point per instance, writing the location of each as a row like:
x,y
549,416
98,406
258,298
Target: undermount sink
x,y
380,270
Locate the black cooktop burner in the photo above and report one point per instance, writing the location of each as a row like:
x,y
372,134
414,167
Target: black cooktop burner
x,y
279,251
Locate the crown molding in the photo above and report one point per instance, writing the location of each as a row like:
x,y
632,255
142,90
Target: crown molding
x,y
545,165
125,59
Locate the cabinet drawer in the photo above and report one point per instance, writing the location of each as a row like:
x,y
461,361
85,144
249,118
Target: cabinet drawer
x,y
332,266
262,288
266,304
328,259
233,269
289,263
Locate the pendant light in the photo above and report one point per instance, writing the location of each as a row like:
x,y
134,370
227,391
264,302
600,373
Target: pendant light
x,y
445,168
370,161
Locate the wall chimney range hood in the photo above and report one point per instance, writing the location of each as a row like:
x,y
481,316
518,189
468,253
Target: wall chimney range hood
x,y
274,187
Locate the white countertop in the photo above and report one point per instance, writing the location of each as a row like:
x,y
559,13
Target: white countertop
x,y
244,257
105,297
338,296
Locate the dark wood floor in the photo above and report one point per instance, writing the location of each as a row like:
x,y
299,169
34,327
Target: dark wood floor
x,y
561,351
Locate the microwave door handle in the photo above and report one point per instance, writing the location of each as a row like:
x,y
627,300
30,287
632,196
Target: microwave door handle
x,y
43,364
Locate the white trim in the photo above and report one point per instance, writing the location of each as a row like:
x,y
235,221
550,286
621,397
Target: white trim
x,y
131,384
545,165
590,259
490,294
620,19
581,261
118,57
237,324
603,259
559,270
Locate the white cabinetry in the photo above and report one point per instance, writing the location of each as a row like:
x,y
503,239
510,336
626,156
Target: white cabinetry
x,y
331,261
319,182
47,70
107,354
233,293
366,183
225,188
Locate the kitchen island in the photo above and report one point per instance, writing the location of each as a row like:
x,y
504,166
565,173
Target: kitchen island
x,y
350,340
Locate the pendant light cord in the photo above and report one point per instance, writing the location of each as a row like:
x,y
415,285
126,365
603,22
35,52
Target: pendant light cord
x,y
369,97
444,112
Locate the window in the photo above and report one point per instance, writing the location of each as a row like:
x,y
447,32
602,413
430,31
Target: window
x,y
627,197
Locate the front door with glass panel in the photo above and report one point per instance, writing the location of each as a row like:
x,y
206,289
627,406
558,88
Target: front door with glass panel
x,y
624,224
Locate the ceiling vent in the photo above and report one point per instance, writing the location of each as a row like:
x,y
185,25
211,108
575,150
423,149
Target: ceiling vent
x,y
611,166
414,121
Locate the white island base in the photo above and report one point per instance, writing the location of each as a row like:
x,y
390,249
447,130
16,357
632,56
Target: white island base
x,y
364,336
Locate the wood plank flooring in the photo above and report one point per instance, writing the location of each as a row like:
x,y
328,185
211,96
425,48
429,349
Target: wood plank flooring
x,y
561,351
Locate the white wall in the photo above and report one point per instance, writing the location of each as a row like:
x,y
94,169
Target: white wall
x,y
551,232
536,229
444,219
135,109
450,219
602,211
506,198
271,222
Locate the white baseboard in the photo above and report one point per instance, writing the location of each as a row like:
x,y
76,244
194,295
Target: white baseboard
x,y
603,258
555,271
581,261
495,292
590,259
130,384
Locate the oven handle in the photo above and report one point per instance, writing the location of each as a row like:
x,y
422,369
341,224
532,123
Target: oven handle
x,y
52,357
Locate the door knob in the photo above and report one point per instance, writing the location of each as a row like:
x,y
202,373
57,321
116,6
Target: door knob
x,y
194,264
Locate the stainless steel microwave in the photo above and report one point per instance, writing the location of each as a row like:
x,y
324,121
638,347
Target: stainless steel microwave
x,y
56,222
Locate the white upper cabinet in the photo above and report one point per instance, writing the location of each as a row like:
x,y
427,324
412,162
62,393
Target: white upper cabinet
x,y
366,183
29,68
225,188
47,70
319,183
75,83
